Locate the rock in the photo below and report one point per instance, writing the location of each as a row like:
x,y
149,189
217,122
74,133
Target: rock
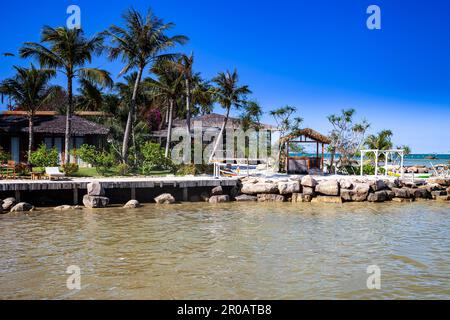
x,y
67,208
419,193
296,178
432,187
436,194
441,181
309,181
246,198
393,184
359,193
95,201
132,204
270,198
22,206
346,184
258,188
402,200
378,196
401,193
443,198
308,191
289,187
219,199
378,185
8,203
390,194
328,187
217,191
165,198
235,191
300,197
327,199
94,188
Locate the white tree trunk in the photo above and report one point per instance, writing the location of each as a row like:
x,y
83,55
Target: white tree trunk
x,y
169,128
219,137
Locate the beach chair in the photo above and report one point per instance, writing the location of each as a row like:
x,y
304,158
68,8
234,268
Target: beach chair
x,y
53,172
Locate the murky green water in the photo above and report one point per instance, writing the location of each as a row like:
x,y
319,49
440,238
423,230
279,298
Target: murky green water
x,y
235,251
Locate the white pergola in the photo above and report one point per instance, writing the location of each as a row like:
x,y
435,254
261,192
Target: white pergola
x,y
386,153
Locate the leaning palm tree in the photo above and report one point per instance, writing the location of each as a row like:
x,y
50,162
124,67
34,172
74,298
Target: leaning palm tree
x,y
68,52
30,90
228,94
168,86
139,44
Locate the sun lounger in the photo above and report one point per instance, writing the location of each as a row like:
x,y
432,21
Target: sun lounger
x,y
53,172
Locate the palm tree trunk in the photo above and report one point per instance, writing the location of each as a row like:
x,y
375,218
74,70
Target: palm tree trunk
x,y
188,107
68,120
219,137
169,129
30,135
128,127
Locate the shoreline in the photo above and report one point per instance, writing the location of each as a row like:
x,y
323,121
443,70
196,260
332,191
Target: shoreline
x,y
20,196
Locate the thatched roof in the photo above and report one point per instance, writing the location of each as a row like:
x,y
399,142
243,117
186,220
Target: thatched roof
x,y
307,133
51,125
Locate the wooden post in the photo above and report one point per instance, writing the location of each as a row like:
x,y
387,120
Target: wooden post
x,y
17,195
322,156
185,194
75,195
133,193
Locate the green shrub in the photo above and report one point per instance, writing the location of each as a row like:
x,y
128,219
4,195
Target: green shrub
x,y
154,159
70,168
123,169
44,157
4,156
369,169
187,169
22,169
101,160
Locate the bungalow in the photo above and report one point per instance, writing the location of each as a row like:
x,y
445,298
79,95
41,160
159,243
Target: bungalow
x,y
49,128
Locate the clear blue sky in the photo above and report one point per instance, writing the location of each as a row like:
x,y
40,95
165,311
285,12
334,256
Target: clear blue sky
x,y
316,55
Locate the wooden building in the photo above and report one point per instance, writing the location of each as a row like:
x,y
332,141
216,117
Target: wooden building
x,y
49,129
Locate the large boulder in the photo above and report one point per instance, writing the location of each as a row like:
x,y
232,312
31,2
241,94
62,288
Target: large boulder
x,y
393,184
328,187
378,185
246,198
378,196
165,198
259,188
346,184
8,203
436,194
300,197
94,188
430,187
22,207
95,201
420,193
289,187
67,208
309,181
219,199
270,198
132,204
327,199
359,192
217,191
401,192
309,191
445,182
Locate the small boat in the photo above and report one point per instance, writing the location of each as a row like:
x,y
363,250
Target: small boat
x,y
431,157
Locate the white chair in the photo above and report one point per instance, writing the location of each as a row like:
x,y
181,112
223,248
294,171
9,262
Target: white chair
x,y
53,172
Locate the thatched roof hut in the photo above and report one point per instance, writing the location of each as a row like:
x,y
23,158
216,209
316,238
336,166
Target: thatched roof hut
x,y
305,134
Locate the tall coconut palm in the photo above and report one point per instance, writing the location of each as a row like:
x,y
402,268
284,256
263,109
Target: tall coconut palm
x,y
380,141
30,90
68,52
184,65
228,94
168,85
139,44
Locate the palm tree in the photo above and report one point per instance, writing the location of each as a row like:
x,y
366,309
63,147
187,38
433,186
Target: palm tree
x,y
139,44
168,86
184,66
229,94
380,141
30,90
68,52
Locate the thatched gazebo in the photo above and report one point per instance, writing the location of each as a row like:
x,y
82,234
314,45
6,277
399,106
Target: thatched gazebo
x,y
302,164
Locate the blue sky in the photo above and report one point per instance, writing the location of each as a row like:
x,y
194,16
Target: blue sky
x,y
316,55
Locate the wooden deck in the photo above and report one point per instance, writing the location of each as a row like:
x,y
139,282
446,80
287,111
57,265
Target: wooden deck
x,y
117,183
